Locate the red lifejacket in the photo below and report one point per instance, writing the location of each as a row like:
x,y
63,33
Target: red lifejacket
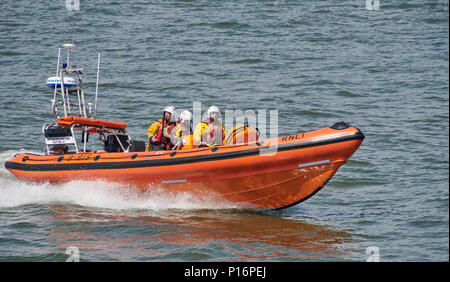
x,y
159,136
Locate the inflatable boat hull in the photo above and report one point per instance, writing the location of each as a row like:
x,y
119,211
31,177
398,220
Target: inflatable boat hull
x,y
274,173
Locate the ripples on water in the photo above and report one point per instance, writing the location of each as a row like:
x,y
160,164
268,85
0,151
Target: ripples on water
x,y
315,62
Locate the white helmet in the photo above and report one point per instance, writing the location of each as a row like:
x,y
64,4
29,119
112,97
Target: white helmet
x,y
212,109
171,110
185,116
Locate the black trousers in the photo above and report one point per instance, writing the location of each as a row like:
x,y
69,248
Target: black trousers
x,y
156,146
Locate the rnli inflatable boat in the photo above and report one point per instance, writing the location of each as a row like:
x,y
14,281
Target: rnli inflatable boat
x,y
272,173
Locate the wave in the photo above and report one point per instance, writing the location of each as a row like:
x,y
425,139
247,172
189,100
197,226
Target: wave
x,y
98,194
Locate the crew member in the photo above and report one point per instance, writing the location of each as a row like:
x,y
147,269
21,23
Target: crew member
x,y
181,135
159,136
210,132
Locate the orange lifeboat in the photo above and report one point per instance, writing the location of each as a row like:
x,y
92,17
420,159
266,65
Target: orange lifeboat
x,y
273,173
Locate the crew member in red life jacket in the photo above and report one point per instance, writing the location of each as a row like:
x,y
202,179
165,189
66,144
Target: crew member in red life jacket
x,y
211,131
159,136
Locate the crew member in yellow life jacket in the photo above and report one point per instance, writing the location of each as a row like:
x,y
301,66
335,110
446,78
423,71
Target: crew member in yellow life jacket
x,y
210,132
159,136
181,135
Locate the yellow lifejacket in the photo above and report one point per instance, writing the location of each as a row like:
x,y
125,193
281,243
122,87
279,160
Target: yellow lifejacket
x,y
203,132
178,135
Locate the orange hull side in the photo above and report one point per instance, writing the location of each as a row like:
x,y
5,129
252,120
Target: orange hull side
x,y
300,165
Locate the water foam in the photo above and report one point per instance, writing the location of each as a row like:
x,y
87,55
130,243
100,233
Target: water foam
x,y
97,194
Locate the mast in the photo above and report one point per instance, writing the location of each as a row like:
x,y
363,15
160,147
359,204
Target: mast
x,y
68,83
54,110
96,86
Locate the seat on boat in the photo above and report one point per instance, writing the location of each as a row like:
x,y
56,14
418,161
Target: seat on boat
x,y
137,146
112,144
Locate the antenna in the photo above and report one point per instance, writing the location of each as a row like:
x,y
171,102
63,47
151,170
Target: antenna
x,y
96,87
69,47
57,65
56,88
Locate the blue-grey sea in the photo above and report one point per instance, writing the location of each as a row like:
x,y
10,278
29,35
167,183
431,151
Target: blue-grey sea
x,y
384,70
